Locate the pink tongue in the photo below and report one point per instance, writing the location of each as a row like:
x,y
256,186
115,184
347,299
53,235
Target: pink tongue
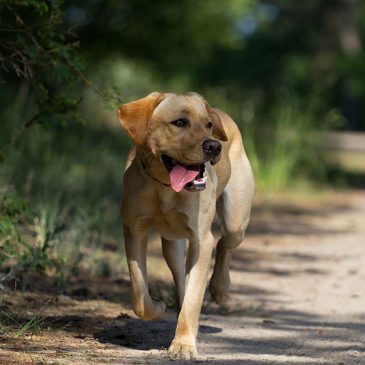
x,y
180,176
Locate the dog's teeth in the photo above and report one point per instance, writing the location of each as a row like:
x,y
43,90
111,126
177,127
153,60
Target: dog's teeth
x,y
201,180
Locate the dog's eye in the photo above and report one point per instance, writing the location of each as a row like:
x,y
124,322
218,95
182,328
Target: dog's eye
x,y
181,123
209,125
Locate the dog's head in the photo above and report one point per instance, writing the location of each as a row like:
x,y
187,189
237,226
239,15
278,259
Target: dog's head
x,y
181,131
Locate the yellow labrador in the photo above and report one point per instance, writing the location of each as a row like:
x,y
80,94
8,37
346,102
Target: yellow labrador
x,y
188,168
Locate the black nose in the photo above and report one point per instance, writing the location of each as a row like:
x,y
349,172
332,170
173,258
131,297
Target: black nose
x,y
212,148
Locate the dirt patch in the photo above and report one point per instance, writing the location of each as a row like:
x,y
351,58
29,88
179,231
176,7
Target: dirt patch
x,y
296,298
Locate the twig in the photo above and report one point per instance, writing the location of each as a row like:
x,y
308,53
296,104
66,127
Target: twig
x,y
31,122
83,78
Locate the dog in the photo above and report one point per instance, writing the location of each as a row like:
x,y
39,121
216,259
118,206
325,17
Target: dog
x,y
187,169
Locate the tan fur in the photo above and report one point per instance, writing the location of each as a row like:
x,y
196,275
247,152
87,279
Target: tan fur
x,y
149,204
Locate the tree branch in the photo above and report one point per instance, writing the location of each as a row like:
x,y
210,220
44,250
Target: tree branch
x,y
32,121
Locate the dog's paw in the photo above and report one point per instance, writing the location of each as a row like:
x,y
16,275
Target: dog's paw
x,y
181,351
154,310
218,288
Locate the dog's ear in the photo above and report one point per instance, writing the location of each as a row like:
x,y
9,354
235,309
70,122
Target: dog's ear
x,y
135,116
218,130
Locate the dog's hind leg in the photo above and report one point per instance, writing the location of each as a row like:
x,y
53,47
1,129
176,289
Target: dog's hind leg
x,y
143,305
233,207
174,254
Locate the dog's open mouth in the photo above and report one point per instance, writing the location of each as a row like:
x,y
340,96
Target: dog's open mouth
x,y
190,177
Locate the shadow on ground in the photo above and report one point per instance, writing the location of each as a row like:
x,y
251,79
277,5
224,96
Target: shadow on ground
x,y
92,307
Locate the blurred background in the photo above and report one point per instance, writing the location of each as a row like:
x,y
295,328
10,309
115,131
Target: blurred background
x,y
291,74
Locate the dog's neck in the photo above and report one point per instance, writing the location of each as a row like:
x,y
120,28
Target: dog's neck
x,y
142,166
151,166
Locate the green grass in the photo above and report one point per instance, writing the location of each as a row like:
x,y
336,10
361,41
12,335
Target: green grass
x,y
69,179
283,143
13,320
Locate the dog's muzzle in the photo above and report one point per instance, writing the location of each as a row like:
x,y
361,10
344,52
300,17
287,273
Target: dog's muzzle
x,y
191,177
211,148
188,177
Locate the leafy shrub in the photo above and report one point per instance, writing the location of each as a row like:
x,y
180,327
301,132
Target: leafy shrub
x,y
26,241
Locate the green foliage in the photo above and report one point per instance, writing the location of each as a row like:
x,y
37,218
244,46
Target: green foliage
x,y
38,48
288,150
172,37
71,180
256,49
26,240
12,208
281,68
283,143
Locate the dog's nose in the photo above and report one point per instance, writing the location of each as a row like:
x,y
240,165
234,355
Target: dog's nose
x,y
212,148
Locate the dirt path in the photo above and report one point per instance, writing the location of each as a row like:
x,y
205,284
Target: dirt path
x,y
297,297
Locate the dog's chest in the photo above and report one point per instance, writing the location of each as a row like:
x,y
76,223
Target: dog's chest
x,y
171,225
168,217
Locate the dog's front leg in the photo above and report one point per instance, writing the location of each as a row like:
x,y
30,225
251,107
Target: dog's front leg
x,y
198,261
143,305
